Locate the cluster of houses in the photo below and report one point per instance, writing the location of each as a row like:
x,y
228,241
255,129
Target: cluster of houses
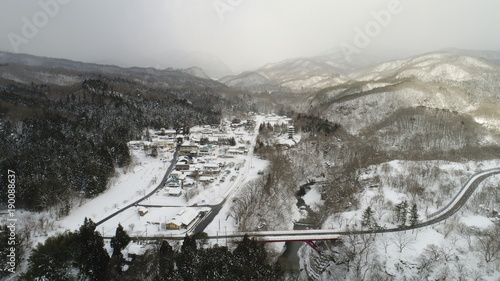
x,y
205,156
201,164
185,218
200,135
163,139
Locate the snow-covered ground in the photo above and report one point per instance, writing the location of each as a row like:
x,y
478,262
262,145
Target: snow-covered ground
x,y
401,255
144,175
127,186
223,222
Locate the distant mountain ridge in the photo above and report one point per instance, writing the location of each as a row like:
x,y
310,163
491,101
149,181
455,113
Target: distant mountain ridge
x,y
64,72
441,80
292,75
210,64
197,72
301,75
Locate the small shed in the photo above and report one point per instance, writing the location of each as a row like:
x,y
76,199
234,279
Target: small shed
x,y
143,211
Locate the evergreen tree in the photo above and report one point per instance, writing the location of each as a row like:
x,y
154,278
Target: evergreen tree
x,y
402,213
166,262
120,241
216,264
53,260
154,152
414,215
187,259
367,219
270,127
251,261
92,258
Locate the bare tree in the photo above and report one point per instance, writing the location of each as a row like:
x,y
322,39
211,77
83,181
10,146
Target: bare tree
x,y
467,232
360,253
401,240
488,243
385,242
448,252
245,203
433,252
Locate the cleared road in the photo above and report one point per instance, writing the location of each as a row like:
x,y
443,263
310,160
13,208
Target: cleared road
x,y
300,235
161,185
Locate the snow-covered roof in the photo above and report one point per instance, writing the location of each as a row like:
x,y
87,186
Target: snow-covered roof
x,y
185,216
213,139
211,165
173,182
183,158
204,178
136,249
173,191
188,143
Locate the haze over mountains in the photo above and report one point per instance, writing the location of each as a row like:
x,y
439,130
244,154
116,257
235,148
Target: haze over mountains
x,y
308,74
351,116
66,72
460,80
438,80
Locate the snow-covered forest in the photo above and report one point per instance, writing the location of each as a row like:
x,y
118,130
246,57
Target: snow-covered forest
x,y
380,148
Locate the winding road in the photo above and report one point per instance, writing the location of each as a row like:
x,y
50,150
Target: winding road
x,y
161,185
324,234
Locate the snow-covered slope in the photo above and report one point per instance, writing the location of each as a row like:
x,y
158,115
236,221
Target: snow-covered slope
x,y
429,67
27,68
461,84
252,81
197,72
210,64
292,75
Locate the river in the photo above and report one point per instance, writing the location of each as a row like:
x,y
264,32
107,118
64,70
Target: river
x,y
290,259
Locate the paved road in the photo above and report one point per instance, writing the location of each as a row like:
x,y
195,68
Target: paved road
x,y
300,235
215,209
161,185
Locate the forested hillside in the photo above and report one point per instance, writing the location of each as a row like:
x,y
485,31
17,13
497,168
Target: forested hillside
x,y
64,141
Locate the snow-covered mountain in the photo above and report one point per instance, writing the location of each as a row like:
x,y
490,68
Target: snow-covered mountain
x,y
292,75
429,67
197,72
331,68
461,84
209,63
251,81
490,56
27,68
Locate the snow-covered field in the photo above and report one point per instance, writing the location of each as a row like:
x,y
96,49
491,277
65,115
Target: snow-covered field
x,y
145,174
449,249
127,186
223,223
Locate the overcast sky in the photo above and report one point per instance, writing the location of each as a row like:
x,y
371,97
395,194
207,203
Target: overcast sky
x,y
242,33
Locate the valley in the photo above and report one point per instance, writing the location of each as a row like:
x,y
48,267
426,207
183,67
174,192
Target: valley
x,y
402,158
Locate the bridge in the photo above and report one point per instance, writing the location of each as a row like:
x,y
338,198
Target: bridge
x,y
309,236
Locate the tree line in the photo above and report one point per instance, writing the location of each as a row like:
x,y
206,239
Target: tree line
x,y
67,145
81,255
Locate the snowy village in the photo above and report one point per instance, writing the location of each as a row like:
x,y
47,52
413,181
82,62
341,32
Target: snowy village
x,y
213,162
